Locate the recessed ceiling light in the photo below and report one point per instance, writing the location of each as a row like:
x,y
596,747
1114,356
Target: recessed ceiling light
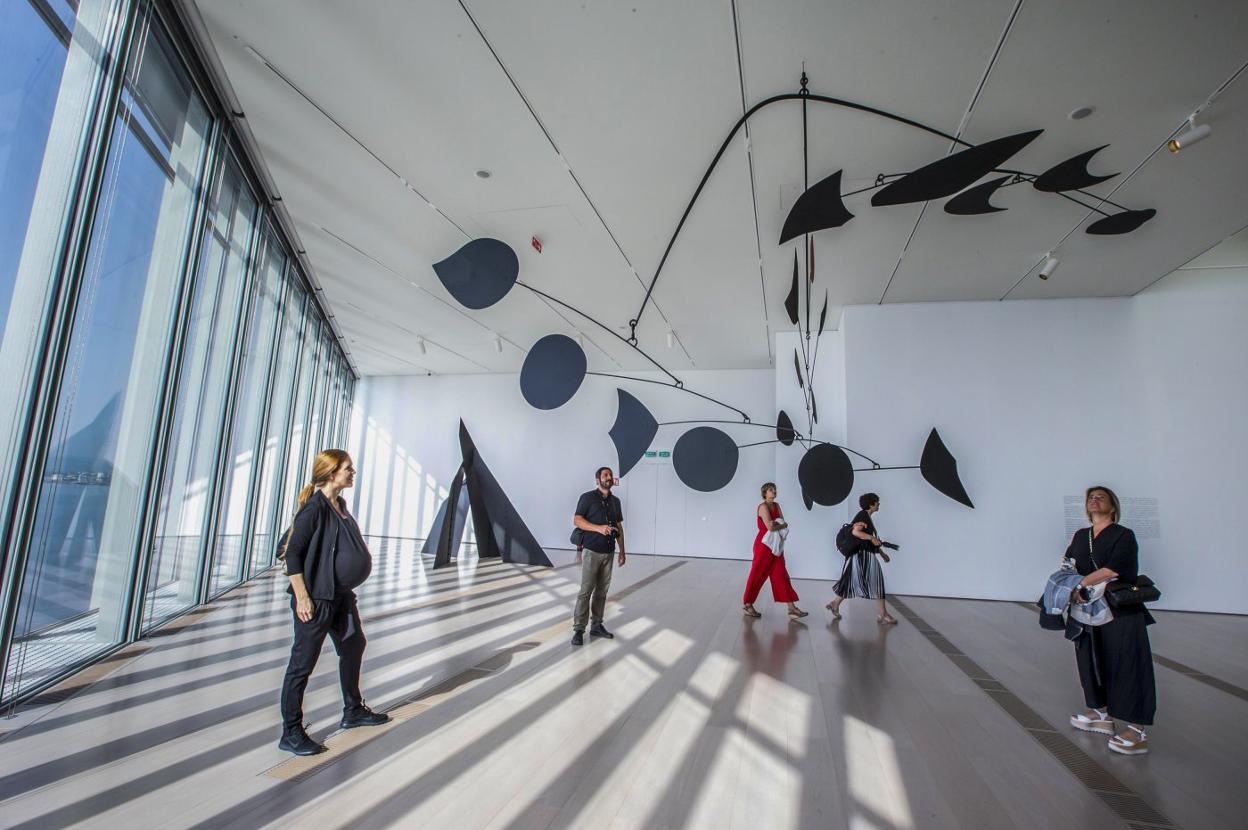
x,y
483,174
1082,112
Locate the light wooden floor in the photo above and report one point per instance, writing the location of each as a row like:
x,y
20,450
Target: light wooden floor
x,y
691,717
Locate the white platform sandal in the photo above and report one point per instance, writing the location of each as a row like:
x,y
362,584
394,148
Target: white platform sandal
x,y
1102,725
1127,747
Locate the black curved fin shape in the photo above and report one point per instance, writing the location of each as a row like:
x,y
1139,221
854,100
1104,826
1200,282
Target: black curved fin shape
x,y
940,469
1070,174
448,528
1124,222
790,302
826,474
552,371
480,273
797,367
632,432
500,531
818,209
785,433
814,409
705,458
952,173
810,505
975,200
823,315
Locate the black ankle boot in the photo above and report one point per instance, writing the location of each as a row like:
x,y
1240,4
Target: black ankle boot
x,y
299,742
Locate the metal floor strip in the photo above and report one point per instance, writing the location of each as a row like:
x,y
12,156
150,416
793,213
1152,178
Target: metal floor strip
x,y
1117,796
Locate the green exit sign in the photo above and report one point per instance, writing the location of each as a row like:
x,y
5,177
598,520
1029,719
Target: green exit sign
x,y
665,454
651,453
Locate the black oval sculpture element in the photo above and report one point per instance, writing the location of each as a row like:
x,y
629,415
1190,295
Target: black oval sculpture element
x,y
940,469
552,372
797,367
826,474
975,200
632,432
1071,174
790,302
705,458
819,208
480,273
952,173
785,433
1124,222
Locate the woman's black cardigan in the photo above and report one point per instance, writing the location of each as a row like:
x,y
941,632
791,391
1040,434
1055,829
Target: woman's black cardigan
x,y
313,537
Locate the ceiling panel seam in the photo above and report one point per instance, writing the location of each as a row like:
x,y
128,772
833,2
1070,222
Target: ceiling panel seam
x,y
749,157
962,125
1122,181
559,153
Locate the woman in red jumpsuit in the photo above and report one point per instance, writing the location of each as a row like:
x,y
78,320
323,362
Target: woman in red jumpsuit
x,y
769,558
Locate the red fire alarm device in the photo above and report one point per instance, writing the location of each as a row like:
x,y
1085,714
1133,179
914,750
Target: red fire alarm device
x,y
537,244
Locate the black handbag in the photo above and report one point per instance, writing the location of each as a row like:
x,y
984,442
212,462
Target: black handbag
x,y
1123,595
577,538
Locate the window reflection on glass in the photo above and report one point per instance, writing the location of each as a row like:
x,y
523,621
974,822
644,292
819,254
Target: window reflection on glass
x,y
299,457
240,462
190,470
276,429
78,572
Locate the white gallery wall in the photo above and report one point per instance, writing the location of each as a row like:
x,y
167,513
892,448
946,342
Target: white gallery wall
x,y
1036,400
405,438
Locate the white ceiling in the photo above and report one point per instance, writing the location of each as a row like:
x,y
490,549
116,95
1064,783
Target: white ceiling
x,y
638,95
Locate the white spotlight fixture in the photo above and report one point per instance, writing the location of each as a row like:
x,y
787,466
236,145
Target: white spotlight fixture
x,y
1194,133
1050,265
420,344
498,343
671,338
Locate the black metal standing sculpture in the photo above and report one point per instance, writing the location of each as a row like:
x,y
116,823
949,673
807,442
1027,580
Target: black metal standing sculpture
x,y
500,531
705,458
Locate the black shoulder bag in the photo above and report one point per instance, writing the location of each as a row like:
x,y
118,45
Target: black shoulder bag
x,y
1122,595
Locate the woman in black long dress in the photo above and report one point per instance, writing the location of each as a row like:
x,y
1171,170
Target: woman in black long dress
x,y
862,575
1115,661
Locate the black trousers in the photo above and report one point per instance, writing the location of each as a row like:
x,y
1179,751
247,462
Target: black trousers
x,y
340,619
1116,669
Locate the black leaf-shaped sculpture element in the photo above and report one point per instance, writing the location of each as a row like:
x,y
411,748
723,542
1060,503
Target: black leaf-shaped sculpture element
x,y
823,315
975,200
819,208
480,273
814,409
952,173
1071,174
552,372
632,432
810,505
797,367
826,474
785,433
705,458
790,302
1124,222
940,469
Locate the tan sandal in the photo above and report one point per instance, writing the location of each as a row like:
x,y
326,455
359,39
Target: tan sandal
x,y
834,607
1103,724
1126,746
886,620
750,611
798,613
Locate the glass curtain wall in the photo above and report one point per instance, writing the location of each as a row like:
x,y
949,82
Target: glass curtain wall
x,y
168,372
93,480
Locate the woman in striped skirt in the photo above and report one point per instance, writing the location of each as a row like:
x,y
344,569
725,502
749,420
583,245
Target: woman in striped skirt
x,y
862,576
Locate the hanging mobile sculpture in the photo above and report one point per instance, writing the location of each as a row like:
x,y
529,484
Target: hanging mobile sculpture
x,y
484,271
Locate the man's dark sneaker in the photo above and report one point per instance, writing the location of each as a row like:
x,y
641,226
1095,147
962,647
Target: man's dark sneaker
x,y
362,716
300,743
578,638
600,630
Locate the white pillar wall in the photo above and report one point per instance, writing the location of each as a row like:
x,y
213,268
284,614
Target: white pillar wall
x,y
1035,399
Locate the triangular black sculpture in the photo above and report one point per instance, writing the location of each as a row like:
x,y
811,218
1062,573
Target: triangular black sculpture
x,y
940,469
1070,174
445,535
952,173
819,208
500,531
632,432
975,200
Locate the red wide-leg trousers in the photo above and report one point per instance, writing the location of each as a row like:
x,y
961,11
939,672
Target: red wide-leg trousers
x,y
766,566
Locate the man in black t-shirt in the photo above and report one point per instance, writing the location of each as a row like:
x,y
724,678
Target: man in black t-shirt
x,y
600,518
